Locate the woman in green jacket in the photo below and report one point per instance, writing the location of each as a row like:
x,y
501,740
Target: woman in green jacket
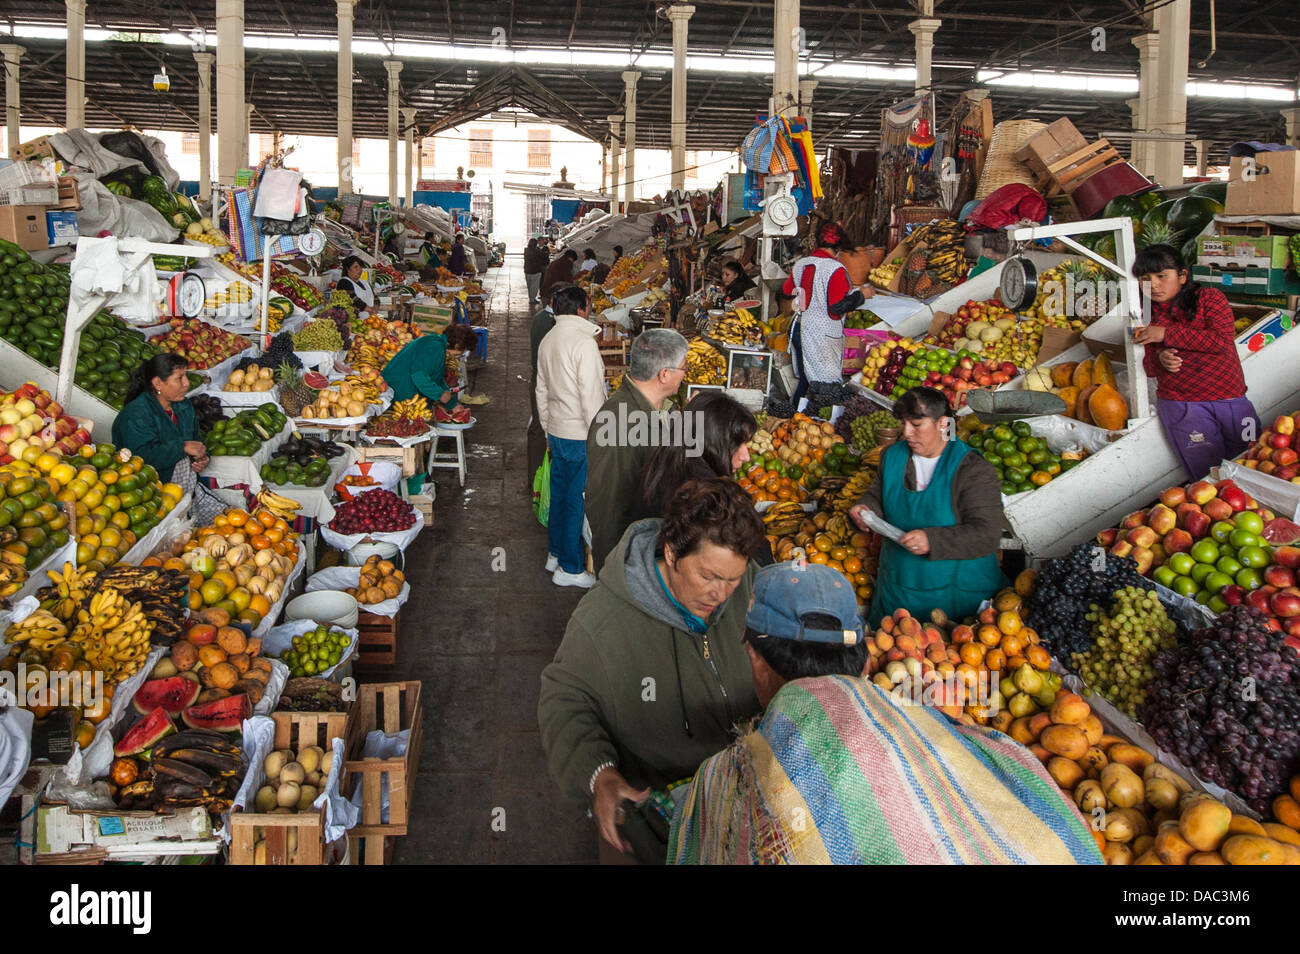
x,y
421,368
158,424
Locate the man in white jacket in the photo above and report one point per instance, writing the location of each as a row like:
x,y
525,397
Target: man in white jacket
x,y
570,392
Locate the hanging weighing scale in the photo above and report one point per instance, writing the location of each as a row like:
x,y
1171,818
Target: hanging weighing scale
x,y
311,243
184,295
1018,287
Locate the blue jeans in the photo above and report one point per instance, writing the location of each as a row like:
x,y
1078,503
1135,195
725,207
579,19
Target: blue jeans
x,y
568,481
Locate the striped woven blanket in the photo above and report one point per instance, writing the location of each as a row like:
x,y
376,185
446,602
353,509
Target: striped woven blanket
x,y
838,773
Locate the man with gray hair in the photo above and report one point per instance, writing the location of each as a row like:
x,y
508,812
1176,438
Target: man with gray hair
x,y
656,366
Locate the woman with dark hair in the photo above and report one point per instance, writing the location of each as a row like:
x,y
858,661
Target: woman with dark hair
x,y
459,259
363,296
823,294
535,262
421,368
429,256
721,429
1190,351
735,283
652,674
157,423
947,501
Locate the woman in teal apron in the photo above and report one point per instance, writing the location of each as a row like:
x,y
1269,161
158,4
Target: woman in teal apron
x,y
948,503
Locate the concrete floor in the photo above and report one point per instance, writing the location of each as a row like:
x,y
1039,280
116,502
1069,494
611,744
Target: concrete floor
x,y
478,640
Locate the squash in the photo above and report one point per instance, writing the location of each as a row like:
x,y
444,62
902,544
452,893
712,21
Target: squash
x,y
1107,408
1102,372
1063,373
1082,377
1082,411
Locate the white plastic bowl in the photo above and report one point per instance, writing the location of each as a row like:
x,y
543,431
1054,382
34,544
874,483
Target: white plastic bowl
x,y
363,551
331,607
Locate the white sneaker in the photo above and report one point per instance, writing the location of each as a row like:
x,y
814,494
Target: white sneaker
x,y
552,563
584,579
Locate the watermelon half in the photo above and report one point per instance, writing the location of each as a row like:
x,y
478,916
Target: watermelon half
x,y
222,715
145,734
314,379
172,695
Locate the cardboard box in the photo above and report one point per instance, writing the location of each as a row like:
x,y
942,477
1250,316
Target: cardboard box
x,y
61,228
24,225
1055,341
1059,139
1248,281
69,198
1243,251
1267,325
432,318
34,151
1268,184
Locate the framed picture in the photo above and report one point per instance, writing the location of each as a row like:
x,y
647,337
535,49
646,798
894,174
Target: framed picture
x,y
694,389
749,370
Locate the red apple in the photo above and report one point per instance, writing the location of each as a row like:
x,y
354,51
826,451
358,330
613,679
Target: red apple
x,y
1201,492
1108,537
1177,541
1257,599
1286,473
1122,549
1161,519
1137,518
1235,497
1288,557
1233,595
1142,537
1279,576
1279,440
1285,605
1197,524
1173,497
1285,456
1284,425
1218,509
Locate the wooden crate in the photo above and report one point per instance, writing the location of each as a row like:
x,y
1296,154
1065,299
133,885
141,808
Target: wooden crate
x,y
377,641
1066,173
297,839
410,458
371,849
69,199
388,707
424,504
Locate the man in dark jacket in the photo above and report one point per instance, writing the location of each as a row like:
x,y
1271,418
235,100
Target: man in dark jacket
x,y
458,257
617,440
535,262
559,272
652,675
542,322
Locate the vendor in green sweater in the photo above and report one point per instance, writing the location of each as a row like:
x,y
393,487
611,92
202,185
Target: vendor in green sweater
x,y
421,368
157,423
652,676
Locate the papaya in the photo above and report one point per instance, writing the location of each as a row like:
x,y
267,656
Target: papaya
x,y
1102,372
1081,410
1107,408
1082,376
1070,395
1063,373
1253,850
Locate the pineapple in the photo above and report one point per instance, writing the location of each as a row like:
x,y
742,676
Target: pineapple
x,y
1159,233
294,393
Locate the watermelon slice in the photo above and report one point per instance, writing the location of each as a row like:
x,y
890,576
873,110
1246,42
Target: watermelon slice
x,y
223,715
314,379
172,694
1280,531
145,734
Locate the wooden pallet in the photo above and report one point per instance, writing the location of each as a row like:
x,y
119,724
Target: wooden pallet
x,y
1064,175
388,707
377,641
411,459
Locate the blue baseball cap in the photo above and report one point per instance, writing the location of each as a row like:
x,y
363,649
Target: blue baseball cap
x,y
784,593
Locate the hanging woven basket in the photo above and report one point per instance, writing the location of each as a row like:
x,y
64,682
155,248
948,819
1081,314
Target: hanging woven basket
x,y
1001,167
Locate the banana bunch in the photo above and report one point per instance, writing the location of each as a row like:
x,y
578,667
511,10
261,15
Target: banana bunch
x,y
41,630
839,529
68,590
740,328
705,364
236,293
416,408
851,492
882,275
13,566
194,767
114,634
283,507
945,243
783,518
162,595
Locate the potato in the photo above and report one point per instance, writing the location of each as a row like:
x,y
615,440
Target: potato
x,y
1204,825
1118,827
1065,772
1122,786
1066,740
1088,795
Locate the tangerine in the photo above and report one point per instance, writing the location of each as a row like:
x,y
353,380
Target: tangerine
x,y
972,653
852,565
236,517
266,518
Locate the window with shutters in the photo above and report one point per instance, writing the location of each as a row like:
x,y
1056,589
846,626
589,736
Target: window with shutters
x,y
189,144
539,149
265,145
356,153
426,154
480,148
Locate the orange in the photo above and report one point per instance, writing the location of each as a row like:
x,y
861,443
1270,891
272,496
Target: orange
x,y
108,477
785,493
972,653
196,580
1039,657
266,518
839,554
835,565
241,598
151,561
174,563
113,502
121,520
823,543
772,485
1040,477
213,591
852,565
220,520
260,605
818,557
236,517
227,579
260,541
111,537
862,579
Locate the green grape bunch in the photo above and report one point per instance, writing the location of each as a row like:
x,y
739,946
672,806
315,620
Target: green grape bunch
x,y
1125,642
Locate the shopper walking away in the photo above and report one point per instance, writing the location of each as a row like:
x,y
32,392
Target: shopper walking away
x,y
948,503
666,617
535,262
837,772
570,390
559,272
1190,351
542,323
618,440
823,294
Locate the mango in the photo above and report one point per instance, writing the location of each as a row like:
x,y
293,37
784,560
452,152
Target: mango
x,y
1092,729
1122,786
1065,740
1241,825
1253,850
1065,772
1171,847
1135,757
1117,853
1282,833
1206,858
1204,825
1069,709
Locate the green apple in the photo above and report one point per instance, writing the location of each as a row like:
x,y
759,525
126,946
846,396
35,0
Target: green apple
x,y
1250,521
1228,564
1201,571
1204,597
1242,538
1181,563
1165,576
1205,551
1184,586
1218,604
1249,579
1253,556
1221,530
1216,581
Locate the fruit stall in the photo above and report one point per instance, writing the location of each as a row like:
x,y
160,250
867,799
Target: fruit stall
x,y
186,678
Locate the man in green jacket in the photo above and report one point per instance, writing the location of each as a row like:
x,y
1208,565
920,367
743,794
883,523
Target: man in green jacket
x,y
421,368
652,676
618,439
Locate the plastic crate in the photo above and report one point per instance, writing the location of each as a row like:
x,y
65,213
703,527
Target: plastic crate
x,y
30,195
19,174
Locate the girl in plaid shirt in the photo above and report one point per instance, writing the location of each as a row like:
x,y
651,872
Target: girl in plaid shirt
x,y
1190,351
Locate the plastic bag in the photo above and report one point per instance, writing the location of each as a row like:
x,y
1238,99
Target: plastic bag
x,y
542,491
280,640
343,577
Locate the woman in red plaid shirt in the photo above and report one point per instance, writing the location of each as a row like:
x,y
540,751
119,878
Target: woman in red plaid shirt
x,y
1190,351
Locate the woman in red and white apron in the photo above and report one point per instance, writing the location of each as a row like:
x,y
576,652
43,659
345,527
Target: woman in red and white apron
x,y
823,293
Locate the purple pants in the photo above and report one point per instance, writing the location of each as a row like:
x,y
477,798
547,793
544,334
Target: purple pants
x,y
1205,433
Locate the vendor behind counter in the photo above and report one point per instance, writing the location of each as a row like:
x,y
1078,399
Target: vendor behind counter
x,y
421,368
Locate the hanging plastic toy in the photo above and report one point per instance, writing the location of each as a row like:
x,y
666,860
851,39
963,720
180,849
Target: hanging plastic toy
x,y
920,144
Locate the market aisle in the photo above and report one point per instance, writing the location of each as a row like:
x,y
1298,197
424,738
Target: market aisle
x,y
478,639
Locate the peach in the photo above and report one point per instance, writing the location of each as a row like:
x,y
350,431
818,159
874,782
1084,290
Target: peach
x,y
1145,559
1218,509
1122,549
1202,492
1135,519
1142,537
